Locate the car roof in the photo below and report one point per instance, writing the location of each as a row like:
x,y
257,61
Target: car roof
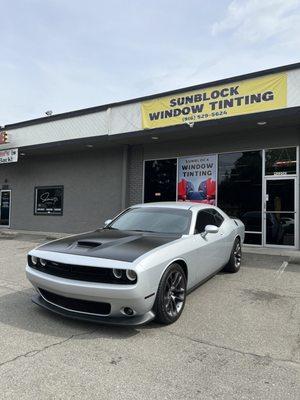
x,y
185,205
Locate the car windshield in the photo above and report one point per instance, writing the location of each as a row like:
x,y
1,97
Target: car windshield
x,y
154,219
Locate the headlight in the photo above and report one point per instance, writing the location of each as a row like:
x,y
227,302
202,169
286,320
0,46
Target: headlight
x,y
34,260
43,262
131,274
117,273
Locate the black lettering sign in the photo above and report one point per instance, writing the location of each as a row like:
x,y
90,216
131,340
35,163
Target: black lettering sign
x,y
48,200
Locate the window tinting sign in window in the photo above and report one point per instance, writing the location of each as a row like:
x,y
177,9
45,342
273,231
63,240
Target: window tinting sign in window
x,y
49,200
197,178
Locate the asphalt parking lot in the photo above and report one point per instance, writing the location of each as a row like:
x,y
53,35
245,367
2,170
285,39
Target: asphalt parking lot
x,y
238,338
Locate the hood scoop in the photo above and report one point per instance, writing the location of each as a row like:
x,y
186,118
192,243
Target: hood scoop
x,y
88,243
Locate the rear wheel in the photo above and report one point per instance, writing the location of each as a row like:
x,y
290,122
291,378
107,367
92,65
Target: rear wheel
x,y
234,262
171,295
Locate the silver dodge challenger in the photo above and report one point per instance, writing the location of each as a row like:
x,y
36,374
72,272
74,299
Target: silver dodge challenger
x,y
139,266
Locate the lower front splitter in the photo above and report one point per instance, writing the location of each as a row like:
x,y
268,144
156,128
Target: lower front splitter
x,y
122,321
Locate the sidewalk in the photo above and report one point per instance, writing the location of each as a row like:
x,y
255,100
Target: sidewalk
x,y
38,235
293,255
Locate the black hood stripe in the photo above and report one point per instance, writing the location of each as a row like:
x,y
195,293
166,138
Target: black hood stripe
x,y
110,244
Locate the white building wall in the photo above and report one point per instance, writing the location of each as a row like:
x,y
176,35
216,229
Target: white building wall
x,y
125,118
54,131
293,88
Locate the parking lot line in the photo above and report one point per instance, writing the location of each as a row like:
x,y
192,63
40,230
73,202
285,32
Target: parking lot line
x,y
281,269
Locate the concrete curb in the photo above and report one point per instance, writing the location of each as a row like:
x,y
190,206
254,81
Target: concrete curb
x,y
294,260
7,235
293,256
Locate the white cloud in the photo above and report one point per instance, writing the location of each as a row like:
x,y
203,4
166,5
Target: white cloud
x,y
257,20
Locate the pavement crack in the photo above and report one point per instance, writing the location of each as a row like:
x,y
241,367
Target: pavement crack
x,y
237,351
293,311
33,353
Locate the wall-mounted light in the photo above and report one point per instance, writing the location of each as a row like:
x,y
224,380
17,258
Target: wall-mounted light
x,y
261,123
154,137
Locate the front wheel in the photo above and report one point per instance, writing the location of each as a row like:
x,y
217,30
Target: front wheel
x,y
234,262
171,295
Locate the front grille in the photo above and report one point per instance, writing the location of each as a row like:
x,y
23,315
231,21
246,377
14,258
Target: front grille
x,y
78,272
85,306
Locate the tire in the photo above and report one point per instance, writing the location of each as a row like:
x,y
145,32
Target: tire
x,y
234,263
171,295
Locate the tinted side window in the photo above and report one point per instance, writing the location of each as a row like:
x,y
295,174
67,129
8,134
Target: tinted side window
x,y
218,218
204,218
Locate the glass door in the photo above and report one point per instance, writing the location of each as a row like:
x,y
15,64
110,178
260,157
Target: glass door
x,y
280,211
5,197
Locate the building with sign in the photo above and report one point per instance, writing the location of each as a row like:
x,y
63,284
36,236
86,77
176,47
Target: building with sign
x,y
233,142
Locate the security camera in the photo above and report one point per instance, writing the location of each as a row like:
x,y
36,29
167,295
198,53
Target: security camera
x,y
190,123
49,113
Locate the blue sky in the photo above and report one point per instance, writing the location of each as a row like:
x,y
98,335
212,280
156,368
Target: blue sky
x,y
69,54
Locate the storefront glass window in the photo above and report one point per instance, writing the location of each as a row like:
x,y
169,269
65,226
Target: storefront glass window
x,y
240,190
160,180
281,161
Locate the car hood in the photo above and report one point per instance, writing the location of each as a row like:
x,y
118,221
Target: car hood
x,y
110,244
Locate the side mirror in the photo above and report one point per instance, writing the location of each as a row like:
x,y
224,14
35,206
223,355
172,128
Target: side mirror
x,y
210,229
107,222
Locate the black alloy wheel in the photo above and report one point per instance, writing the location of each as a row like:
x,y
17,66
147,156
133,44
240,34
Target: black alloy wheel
x,y
171,295
237,253
235,260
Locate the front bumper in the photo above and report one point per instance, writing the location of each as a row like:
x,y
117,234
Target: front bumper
x,y
118,296
137,320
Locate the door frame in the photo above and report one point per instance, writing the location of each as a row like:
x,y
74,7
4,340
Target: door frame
x,y
9,214
296,210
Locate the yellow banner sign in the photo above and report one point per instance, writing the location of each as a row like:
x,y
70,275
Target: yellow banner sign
x,y
228,100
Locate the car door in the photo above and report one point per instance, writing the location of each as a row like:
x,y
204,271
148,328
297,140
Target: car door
x,y
224,238
210,251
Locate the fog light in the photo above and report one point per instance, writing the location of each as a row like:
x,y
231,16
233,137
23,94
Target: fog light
x,y
43,262
131,274
34,260
128,311
117,273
